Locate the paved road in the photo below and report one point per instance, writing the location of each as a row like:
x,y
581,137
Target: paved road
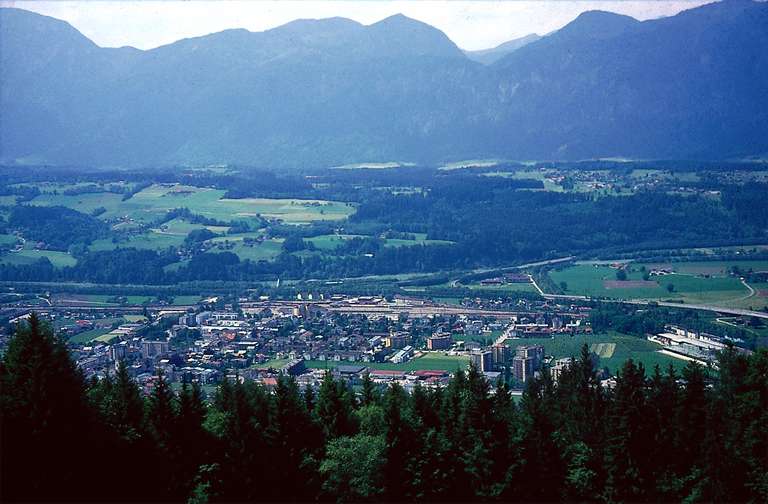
x,y
455,283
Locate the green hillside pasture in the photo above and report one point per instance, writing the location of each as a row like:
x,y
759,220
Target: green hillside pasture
x,y
153,201
27,256
291,211
85,203
151,240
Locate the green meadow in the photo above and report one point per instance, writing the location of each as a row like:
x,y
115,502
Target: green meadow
x,y
153,201
689,285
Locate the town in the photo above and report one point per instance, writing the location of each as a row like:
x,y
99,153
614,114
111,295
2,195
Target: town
x,y
407,341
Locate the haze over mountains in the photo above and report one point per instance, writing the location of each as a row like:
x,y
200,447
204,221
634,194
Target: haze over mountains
x,y
333,91
488,56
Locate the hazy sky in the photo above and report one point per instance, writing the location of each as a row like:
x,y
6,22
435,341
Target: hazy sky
x,y
470,24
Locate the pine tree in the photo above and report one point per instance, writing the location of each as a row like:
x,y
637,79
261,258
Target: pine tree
x,y
691,433
45,420
663,398
295,442
400,447
628,438
476,433
333,410
369,394
190,439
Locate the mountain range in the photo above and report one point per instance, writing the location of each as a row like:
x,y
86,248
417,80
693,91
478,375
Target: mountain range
x,y
333,91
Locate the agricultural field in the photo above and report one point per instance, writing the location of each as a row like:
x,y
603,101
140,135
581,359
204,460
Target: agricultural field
x,y
85,203
542,175
503,288
151,240
181,227
331,242
691,282
97,299
261,251
646,174
105,300
613,349
712,268
420,239
153,201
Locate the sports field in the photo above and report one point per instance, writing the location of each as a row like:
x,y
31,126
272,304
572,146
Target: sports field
x,y
428,361
613,349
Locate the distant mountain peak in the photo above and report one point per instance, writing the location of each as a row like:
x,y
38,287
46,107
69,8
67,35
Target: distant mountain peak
x,y
406,35
597,24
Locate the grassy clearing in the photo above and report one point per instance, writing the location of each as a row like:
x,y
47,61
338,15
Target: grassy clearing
x,y
264,251
186,300
28,256
330,242
8,239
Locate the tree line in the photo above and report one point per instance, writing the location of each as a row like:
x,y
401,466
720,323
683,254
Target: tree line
x,y
658,436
